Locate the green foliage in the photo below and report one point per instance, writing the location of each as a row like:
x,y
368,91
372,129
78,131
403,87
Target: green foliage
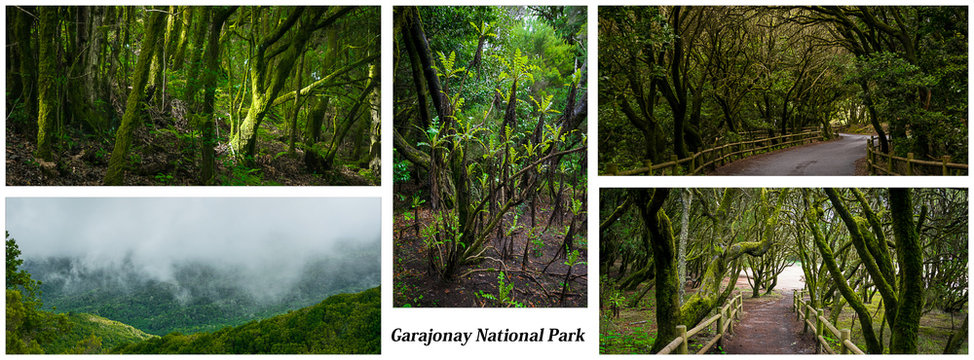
x,y
448,67
498,93
537,242
29,330
93,334
17,278
240,174
341,324
400,169
572,258
505,293
894,83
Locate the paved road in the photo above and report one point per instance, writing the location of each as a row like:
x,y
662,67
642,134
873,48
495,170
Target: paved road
x,y
837,157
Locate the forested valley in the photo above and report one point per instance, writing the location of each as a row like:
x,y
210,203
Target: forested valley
x,y
490,156
192,95
74,307
891,265
193,281
675,81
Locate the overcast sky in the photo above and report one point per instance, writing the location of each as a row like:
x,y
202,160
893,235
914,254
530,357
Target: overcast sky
x,y
155,232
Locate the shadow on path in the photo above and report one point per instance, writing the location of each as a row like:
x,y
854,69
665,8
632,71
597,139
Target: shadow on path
x,y
836,157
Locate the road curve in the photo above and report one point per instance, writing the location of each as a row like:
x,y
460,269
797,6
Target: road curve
x,y
837,157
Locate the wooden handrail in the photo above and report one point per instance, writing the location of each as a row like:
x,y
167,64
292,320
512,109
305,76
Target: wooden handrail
x,y
894,162
706,158
679,344
822,323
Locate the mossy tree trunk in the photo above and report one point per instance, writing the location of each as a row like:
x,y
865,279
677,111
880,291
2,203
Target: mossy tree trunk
x,y
873,346
902,292
196,54
375,132
115,174
686,199
47,73
668,310
352,117
293,125
710,295
272,62
26,61
208,140
909,256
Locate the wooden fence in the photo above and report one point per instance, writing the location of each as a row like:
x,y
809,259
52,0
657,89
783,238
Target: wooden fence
x,y
725,324
815,320
719,155
880,163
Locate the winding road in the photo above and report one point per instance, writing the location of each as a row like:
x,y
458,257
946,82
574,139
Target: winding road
x,y
837,157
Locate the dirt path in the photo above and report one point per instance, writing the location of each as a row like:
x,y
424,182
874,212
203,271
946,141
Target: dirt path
x,y
836,157
769,327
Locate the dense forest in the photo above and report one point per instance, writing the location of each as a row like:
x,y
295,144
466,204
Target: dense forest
x,y
191,95
676,80
199,296
889,264
343,323
490,156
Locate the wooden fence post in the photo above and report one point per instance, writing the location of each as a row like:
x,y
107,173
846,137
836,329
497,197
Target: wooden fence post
x,y
740,305
681,331
870,156
808,315
676,165
889,164
648,163
818,329
611,169
794,303
720,325
909,163
946,160
845,334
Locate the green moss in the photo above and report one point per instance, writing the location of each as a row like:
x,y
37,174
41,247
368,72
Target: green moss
x,y
934,330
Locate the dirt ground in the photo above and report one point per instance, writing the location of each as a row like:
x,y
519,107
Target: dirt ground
x,y
416,285
164,152
769,327
758,332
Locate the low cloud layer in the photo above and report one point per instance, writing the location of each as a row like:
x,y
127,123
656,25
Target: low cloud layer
x,y
268,240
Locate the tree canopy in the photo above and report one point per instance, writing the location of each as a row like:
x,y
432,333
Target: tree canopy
x,y
675,80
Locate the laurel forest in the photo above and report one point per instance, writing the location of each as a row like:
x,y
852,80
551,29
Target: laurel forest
x,y
191,95
490,156
887,266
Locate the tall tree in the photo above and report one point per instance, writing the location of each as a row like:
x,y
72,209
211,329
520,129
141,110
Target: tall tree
x,y
115,174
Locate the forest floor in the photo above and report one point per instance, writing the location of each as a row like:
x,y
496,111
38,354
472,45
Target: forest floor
x,y
416,285
634,330
934,332
165,151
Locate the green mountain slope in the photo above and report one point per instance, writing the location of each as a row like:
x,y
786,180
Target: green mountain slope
x,y
198,296
342,324
83,326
